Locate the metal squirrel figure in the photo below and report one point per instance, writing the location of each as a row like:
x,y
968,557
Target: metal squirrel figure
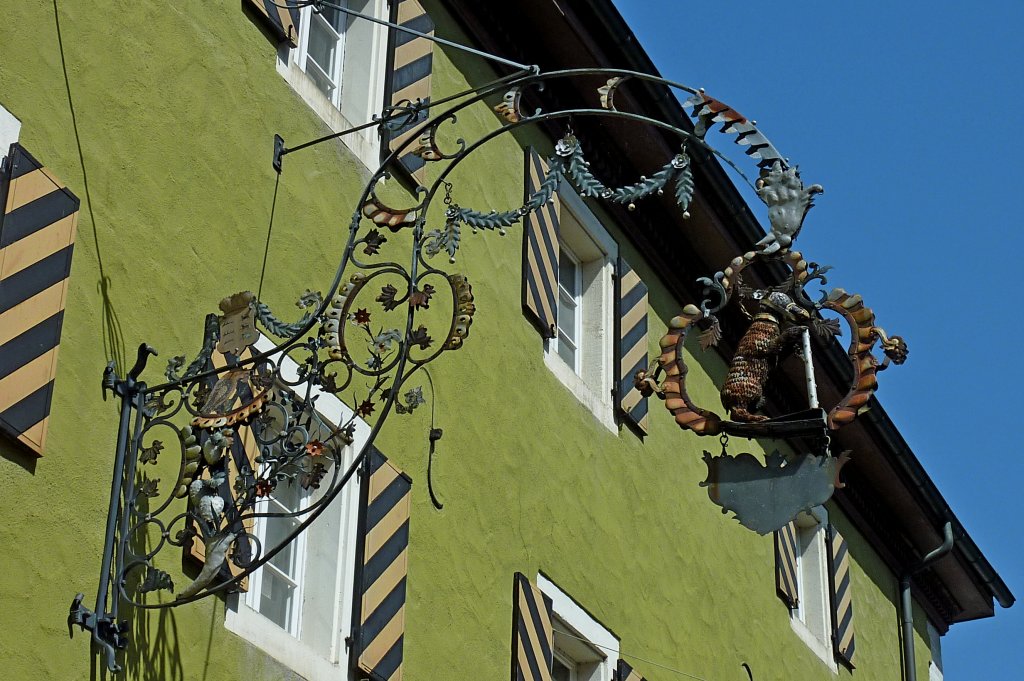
x,y
758,352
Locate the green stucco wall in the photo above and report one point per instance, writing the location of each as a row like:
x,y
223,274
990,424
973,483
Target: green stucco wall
x,y
176,105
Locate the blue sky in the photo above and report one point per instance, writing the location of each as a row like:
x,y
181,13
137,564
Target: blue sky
x,y
909,114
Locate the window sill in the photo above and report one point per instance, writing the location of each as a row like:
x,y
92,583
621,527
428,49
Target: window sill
x,y
819,648
600,407
365,144
257,630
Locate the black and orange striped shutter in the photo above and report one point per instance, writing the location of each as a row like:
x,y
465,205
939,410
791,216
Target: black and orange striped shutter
x,y
412,64
540,252
532,633
631,319
785,564
624,672
37,237
383,554
282,21
843,641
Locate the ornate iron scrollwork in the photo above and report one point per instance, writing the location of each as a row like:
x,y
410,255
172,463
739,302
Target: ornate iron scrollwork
x,y
196,454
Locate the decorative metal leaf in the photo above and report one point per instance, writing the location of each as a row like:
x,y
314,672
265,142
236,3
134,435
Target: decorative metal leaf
x,y
684,186
309,299
387,297
382,341
421,298
578,171
413,399
827,328
174,364
148,488
711,336
347,433
447,240
374,240
330,383
156,405
311,480
150,453
282,329
419,337
156,580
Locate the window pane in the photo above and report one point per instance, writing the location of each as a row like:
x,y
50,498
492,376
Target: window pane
x,y
287,495
276,599
336,18
566,350
567,316
560,672
321,49
567,268
277,530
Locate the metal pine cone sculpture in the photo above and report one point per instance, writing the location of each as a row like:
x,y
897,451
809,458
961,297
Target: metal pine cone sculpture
x,y
758,353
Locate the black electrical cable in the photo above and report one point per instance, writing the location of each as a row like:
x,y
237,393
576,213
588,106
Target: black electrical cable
x,y
270,230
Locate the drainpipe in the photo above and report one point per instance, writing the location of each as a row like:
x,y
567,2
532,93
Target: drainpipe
x,y
906,604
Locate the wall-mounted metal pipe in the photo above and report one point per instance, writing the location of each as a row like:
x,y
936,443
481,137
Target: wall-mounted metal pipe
x,y
907,605
808,358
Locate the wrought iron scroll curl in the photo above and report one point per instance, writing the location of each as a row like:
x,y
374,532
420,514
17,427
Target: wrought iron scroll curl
x,y
342,348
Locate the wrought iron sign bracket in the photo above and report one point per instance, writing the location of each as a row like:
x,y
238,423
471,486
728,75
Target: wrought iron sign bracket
x,y
240,420
110,633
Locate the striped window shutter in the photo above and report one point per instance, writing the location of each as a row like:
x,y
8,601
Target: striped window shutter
x,y
631,317
843,641
244,450
37,237
540,252
624,672
532,635
412,63
283,22
382,567
785,564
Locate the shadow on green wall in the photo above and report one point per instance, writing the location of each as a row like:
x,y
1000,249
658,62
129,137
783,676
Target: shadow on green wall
x,y
113,338
16,455
154,653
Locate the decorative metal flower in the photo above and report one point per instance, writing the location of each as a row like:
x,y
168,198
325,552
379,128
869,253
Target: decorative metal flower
x,y
264,487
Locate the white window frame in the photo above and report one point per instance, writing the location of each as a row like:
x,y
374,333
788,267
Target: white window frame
x,y
571,664
583,644
298,548
811,620
935,646
10,128
307,18
360,91
245,621
575,297
591,379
